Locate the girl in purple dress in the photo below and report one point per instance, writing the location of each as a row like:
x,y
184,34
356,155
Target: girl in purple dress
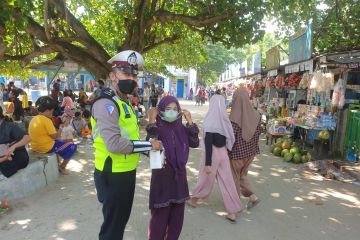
x,y
169,188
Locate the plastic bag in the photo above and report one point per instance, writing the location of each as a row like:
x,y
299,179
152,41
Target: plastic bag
x,y
338,98
305,81
316,80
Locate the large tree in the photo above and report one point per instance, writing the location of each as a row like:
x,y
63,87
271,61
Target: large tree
x,y
336,23
89,31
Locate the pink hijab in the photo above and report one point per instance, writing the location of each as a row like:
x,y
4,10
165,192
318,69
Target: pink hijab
x,y
217,120
243,114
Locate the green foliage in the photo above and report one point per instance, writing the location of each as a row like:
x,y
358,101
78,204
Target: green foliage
x,y
217,57
167,32
12,69
336,23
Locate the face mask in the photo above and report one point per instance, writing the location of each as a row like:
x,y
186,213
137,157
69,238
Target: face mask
x,y
169,116
127,86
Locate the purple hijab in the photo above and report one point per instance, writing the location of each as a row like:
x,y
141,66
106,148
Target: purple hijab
x,y
173,136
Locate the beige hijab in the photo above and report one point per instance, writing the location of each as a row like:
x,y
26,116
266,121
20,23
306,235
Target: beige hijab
x,y
243,114
217,120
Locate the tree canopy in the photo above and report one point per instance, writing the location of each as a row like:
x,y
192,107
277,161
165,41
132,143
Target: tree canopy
x,y
336,23
89,31
167,32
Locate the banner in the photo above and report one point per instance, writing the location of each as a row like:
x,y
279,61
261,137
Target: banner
x,y
243,68
300,45
273,58
256,62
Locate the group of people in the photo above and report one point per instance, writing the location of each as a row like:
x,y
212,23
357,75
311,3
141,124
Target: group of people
x,y
229,146
10,102
202,94
54,125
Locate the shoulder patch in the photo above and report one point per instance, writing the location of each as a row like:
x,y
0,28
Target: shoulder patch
x,y
110,108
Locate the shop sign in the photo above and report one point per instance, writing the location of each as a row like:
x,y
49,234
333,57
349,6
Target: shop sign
x,y
273,58
272,73
300,45
70,66
348,65
256,62
243,68
303,66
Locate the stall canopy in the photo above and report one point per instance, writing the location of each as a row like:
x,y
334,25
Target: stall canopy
x,y
57,65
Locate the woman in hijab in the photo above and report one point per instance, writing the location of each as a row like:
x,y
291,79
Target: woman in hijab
x,y
215,164
246,123
169,188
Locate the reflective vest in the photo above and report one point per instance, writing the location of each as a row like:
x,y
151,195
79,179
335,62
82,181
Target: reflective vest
x,y
129,129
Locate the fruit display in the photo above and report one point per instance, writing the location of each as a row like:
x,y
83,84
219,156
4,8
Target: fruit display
x,y
324,135
288,150
293,80
280,81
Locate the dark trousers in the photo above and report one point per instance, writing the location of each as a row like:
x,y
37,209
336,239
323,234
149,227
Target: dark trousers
x,y
20,160
166,223
116,192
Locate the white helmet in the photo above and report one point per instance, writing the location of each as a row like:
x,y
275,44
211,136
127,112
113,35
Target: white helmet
x,y
128,61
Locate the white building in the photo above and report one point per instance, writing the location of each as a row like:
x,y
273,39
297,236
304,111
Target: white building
x,y
233,72
183,80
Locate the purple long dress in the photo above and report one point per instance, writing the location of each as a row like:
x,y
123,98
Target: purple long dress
x,y
167,184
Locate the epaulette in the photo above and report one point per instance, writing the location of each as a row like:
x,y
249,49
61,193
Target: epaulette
x,y
107,92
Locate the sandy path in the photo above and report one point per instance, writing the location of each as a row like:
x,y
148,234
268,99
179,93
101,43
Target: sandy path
x,y
295,205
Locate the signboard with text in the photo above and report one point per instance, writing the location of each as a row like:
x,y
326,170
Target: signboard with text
x,y
300,45
256,62
273,58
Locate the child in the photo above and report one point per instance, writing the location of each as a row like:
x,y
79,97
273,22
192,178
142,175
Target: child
x,y
78,123
67,134
169,188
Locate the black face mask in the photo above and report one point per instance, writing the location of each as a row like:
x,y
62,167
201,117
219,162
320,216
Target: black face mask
x,y
127,86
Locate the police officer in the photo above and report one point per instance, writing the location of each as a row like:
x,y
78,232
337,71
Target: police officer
x,y
117,144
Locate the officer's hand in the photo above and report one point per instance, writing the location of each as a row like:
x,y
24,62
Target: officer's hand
x,y
153,112
156,145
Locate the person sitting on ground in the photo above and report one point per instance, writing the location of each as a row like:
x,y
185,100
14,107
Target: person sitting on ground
x,y
86,114
24,99
2,90
44,134
18,114
68,104
83,98
78,123
67,133
13,154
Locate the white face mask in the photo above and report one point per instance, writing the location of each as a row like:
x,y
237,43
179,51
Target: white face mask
x,y
169,115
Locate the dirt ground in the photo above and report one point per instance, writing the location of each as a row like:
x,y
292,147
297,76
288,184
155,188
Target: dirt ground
x,y
295,205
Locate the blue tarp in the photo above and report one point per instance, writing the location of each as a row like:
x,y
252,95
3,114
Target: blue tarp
x,y
2,79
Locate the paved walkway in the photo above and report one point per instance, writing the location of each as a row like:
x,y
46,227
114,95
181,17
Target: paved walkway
x,y
295,205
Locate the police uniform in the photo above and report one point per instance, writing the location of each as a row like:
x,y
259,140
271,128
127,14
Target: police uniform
x,y
117,151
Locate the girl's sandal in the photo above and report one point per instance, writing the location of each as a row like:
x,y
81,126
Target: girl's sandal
x,y
231,220
3,210
190,204
252,204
